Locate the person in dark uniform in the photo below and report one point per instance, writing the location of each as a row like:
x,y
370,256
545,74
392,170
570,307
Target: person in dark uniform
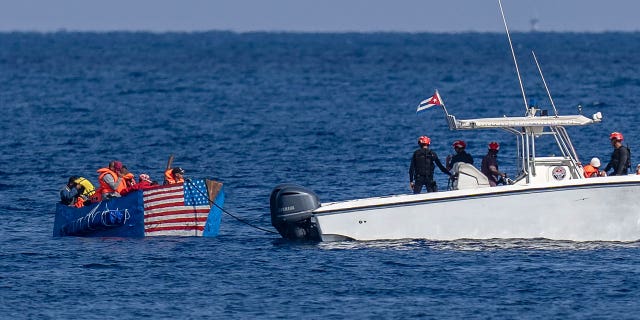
x,y
620,158
69,194
490,165
422,167
460,156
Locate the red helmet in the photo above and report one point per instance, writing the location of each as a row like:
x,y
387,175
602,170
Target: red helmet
x,y
424,140
494,146
616,135
459,144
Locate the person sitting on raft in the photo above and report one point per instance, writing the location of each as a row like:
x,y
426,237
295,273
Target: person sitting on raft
x,y
129,178
69,193
174,175
86,190
144,183
111,181
77,192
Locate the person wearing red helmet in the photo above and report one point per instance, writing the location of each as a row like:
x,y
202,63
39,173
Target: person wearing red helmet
x,y
460,156
422,167
620,158
490,164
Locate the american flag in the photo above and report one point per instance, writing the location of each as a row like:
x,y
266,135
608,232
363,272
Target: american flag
x,y
176,210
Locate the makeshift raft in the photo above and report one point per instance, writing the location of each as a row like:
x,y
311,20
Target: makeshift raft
x,y
192,208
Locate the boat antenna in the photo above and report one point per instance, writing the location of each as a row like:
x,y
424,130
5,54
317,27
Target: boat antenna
x,y
524,97
555,111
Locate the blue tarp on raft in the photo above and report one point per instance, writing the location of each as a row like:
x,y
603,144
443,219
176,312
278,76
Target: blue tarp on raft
x,y
118,217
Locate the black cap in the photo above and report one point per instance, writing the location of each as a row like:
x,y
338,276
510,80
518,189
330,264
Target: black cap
x,y
177,170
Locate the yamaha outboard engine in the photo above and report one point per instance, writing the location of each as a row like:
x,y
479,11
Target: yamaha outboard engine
x,y
291,210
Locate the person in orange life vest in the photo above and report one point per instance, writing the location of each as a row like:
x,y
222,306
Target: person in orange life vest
x,y
174,175
111,181
144,183
592,170
129,178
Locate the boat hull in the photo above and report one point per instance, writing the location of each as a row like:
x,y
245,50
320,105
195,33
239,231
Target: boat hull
x,y
579,210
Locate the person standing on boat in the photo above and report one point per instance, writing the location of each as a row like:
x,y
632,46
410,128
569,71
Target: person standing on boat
x,y
460,156
422,167
621,156
490,165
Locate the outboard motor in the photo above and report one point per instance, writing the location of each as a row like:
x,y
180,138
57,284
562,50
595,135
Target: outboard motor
x,y
291,210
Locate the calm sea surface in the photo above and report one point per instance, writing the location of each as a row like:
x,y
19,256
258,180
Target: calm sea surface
x,y
332,112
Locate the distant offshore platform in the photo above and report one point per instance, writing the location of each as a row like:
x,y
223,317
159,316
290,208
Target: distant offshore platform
x,y
534,24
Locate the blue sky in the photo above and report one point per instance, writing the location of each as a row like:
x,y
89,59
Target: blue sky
x,y
318,15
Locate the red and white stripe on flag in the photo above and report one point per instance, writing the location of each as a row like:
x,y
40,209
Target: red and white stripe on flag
x,y
165,212
435,100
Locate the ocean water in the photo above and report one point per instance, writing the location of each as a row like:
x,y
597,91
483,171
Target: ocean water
x,y
332,112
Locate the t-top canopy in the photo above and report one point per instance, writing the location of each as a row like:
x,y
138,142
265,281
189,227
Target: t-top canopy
x,y
519,122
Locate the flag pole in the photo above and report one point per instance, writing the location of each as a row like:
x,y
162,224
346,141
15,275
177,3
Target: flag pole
x,y
442,102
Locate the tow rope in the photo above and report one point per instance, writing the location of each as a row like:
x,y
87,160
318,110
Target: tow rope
x,y
227,212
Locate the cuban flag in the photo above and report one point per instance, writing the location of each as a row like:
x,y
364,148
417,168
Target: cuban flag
x,y
435,100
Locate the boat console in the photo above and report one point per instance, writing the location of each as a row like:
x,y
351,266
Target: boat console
x,y
466,176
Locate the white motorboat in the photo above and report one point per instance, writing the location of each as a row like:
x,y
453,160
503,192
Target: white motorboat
x,y
550,198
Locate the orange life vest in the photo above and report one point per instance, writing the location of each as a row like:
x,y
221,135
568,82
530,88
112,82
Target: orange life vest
x,y
590,171
129,180
105,187
96,197
79,202
169,178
